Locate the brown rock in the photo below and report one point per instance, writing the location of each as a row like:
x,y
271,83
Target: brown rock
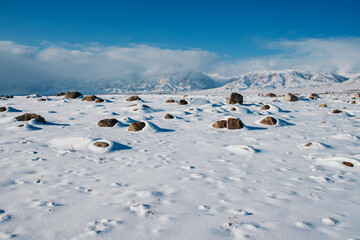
x,y
235,98
133,98
353,102
234,123
269,121
265,107
291,98
99,100
107,122
314,95
182,102
60,94
336,111
185,95
219,124
232,109
72,95
168,116
41,99
170,101
271,95
308,144
3,109
357,95
323,105
101,144
349,164
9,96
334,99
136,126
29,116
89,98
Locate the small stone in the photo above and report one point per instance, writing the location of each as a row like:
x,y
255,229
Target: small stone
x,y
99,100
41,99
291,98
29,116
168,116
336,111
170,101
60,94
101,144
268,121
107,122
232,109
353,102
349,164
219,124
265,107
182,102
133,98
323,105
89,98
3,109
72,95
136,126
270,95
234,123
235,98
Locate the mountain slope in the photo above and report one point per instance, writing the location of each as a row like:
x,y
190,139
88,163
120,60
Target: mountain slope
x,y
268,80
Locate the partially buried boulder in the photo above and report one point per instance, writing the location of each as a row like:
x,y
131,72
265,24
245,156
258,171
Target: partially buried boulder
x,y
72,95
235,98
182,102
3,109
133,98
168,116
265,107
29,116
89,98
234,123
314,95
357,95
271,95
136,126
323,105
232,109
41,99
99,100
60,94
268,121
336,111
107,122
170,101
219,124
349,164
291,98
101,144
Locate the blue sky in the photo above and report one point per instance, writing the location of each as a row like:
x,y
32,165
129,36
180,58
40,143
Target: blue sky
x,y
233,29
48,41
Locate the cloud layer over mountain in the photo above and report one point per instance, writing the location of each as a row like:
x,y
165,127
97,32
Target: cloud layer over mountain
x,y
43,66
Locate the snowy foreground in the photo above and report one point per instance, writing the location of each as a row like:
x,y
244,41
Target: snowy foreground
x,y
180,178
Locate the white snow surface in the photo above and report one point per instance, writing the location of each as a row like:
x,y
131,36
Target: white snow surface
x,y
180,178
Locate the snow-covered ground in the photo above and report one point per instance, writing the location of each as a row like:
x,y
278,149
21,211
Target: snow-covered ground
x,y
180,178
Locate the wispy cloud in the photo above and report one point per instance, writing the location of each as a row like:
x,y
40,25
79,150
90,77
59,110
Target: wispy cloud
x,y
29,66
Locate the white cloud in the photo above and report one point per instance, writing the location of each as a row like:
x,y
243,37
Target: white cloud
x,y
22,65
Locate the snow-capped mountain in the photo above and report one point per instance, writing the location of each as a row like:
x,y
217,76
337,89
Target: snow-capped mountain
x,y
283,79
174,82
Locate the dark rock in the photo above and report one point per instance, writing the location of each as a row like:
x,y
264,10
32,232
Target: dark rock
x,y
133,98
182,102
136,126
291,98
349,164
89,98
29,116
234,123
60,94
168,116
107,122
3,109
265,107
235,98
170,101
336,111
101,144
323,105
99,100
271,95
268,121
72,95
219,124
